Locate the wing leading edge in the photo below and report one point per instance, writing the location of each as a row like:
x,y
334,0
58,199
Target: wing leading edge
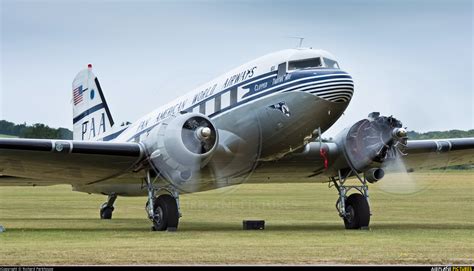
x,y
428,154
309,164
46,162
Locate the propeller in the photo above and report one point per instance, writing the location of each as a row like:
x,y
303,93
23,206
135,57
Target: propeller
x,y
402,180
399,179
238,152
192,155
372,141
380,142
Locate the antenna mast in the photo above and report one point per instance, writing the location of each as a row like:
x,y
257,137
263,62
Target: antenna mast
x,y
300,43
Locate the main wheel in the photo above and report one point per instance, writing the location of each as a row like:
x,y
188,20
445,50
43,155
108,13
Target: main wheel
x,y
166,213
358,212
106,211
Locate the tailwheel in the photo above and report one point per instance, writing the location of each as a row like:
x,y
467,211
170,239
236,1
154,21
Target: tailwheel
x,y
166,214
106,211
357,212
107,208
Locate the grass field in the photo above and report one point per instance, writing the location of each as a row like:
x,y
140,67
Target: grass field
x,y
52,225
6,136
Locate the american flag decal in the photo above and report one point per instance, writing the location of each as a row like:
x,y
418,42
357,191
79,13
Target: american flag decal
x,y
77,94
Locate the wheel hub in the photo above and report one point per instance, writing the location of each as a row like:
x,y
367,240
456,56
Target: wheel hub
x,y
349,214
158,215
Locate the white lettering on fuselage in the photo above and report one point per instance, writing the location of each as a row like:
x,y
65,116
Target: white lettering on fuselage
x,y
173,110
281,79
197,98
260,86
241,76
204,93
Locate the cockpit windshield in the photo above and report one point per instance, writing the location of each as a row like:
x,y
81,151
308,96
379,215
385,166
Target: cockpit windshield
x,y
331,63
312,63
305,64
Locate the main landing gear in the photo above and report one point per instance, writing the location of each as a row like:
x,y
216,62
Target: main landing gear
x,y
353,209
107,208
162,210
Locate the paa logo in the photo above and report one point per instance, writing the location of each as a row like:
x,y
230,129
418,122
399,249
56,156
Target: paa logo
x,y
91,130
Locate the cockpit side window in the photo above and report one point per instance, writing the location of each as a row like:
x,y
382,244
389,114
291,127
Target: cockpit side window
x,y
331,63
305,64
281,69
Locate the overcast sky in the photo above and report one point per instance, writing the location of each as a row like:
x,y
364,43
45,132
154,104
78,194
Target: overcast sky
x,y
410,59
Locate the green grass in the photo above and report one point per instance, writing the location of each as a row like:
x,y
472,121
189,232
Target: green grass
x,y
7,136
52,225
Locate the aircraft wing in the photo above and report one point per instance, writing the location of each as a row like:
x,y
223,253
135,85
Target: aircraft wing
x,y
46,162
428,154
420,154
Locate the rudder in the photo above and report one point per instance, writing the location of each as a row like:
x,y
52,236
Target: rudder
x,y
91,114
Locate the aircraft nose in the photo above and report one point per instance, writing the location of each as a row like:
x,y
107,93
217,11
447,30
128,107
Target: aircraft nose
x,y
335,86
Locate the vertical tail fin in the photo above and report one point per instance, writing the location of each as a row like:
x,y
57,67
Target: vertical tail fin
x,y
91,114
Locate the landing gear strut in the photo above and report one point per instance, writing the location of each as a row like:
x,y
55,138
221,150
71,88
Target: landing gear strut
x,y
353,209
162,210
107,208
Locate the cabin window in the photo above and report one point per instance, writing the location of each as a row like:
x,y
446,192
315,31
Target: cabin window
x,y
331,63
210,107
282,69
305,64
225,99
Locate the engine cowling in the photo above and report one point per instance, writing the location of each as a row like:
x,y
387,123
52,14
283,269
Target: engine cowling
x,y
180,147
369,142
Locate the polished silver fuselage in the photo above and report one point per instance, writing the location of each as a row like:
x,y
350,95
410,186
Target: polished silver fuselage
x,y
266,133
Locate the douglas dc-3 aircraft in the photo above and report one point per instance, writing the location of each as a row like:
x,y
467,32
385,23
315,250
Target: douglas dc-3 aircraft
x,y
263,118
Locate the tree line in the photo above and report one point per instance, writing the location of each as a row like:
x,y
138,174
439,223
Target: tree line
x,y
37,130
412,135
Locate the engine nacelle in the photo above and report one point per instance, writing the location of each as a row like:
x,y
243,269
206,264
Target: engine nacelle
x,y
368,143
180,147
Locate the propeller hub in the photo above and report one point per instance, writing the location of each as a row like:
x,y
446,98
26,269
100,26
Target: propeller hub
x,y
204,132
400,132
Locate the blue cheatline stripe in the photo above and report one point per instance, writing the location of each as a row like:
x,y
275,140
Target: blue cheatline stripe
x,y
324,88
263,92
289,85
250,81
114,135
275,88
87,112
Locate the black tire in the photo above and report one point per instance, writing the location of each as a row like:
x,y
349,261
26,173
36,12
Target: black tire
x,y
106,212
166,210
358,212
